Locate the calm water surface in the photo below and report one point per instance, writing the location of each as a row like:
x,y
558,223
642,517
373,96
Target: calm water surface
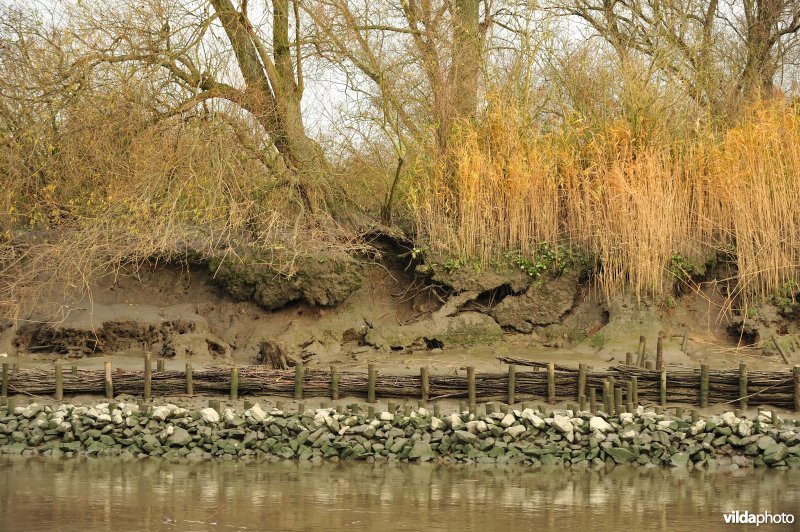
x,y
110,494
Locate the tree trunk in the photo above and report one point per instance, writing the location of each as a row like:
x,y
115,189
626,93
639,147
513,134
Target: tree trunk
x,y
465,68
273,93
761,65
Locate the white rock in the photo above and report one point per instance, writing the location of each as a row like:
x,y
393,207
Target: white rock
x,y
343,430
322,417
562,423
64,427
626,418
508,420
570,436
596,423
209,415
228,415
628,435
698,427
665,423
535,420
729,418
497,415
104,418
436,423
92,412
387,416
454,420
257,413
422,412
515,431
577,422
116,417
162,412
481,426
170,430
472,426
599,435
744,429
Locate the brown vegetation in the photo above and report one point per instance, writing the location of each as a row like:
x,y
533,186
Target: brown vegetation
x,y
148,131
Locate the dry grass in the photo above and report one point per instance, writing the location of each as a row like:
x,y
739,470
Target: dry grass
x,y
115,188
631,203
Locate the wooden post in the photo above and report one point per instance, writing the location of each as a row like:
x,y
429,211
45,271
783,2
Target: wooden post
x,y
796,374
648,364
425,391
629,359
437,410
581,380
74,369
189,383
247,405
4,389
695,416
629,396
663,382
489,409
635,391
659,351
551,383
334,383
406,410
617,400
641,359
215,404
607,401
471,391
703,385
679,412
372,375
59,383
234,383
503,408
298,381
512,384
109,383
148,375
160,365
582,403
462,407
391,407
743,386
593,400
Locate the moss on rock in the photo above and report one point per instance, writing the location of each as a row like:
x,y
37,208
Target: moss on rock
x,y
323,280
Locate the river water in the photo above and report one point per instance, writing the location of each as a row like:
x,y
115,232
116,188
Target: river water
x,y
152,494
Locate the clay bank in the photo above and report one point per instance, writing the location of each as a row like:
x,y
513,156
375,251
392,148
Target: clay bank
x,y
524,437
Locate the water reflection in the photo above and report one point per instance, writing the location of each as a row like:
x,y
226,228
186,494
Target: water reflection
x,y
106,494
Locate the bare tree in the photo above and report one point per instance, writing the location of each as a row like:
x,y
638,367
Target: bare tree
x,y
719,52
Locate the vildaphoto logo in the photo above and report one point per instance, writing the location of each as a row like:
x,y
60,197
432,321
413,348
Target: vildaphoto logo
x,y
763,518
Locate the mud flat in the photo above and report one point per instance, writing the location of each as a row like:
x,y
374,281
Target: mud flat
x,y
525,437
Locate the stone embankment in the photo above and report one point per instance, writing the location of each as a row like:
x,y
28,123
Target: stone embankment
x,y
525,437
